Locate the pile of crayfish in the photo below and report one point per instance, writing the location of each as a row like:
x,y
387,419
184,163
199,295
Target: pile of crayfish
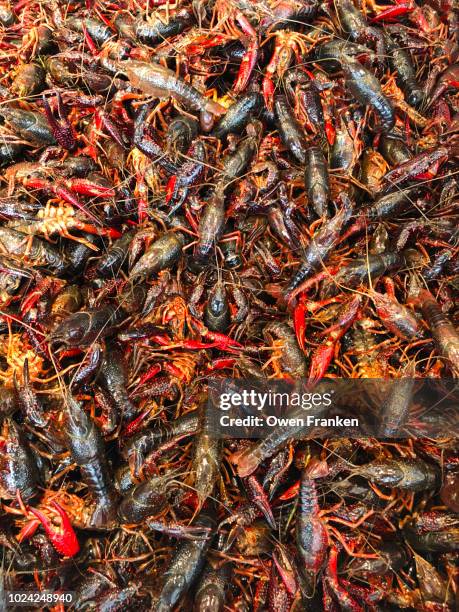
x,y
224,189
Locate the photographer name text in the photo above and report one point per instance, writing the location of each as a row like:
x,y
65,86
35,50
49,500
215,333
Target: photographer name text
x,y
275,421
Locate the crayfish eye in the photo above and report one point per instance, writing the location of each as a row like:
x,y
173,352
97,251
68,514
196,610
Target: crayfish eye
x,y
71,332
75,333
